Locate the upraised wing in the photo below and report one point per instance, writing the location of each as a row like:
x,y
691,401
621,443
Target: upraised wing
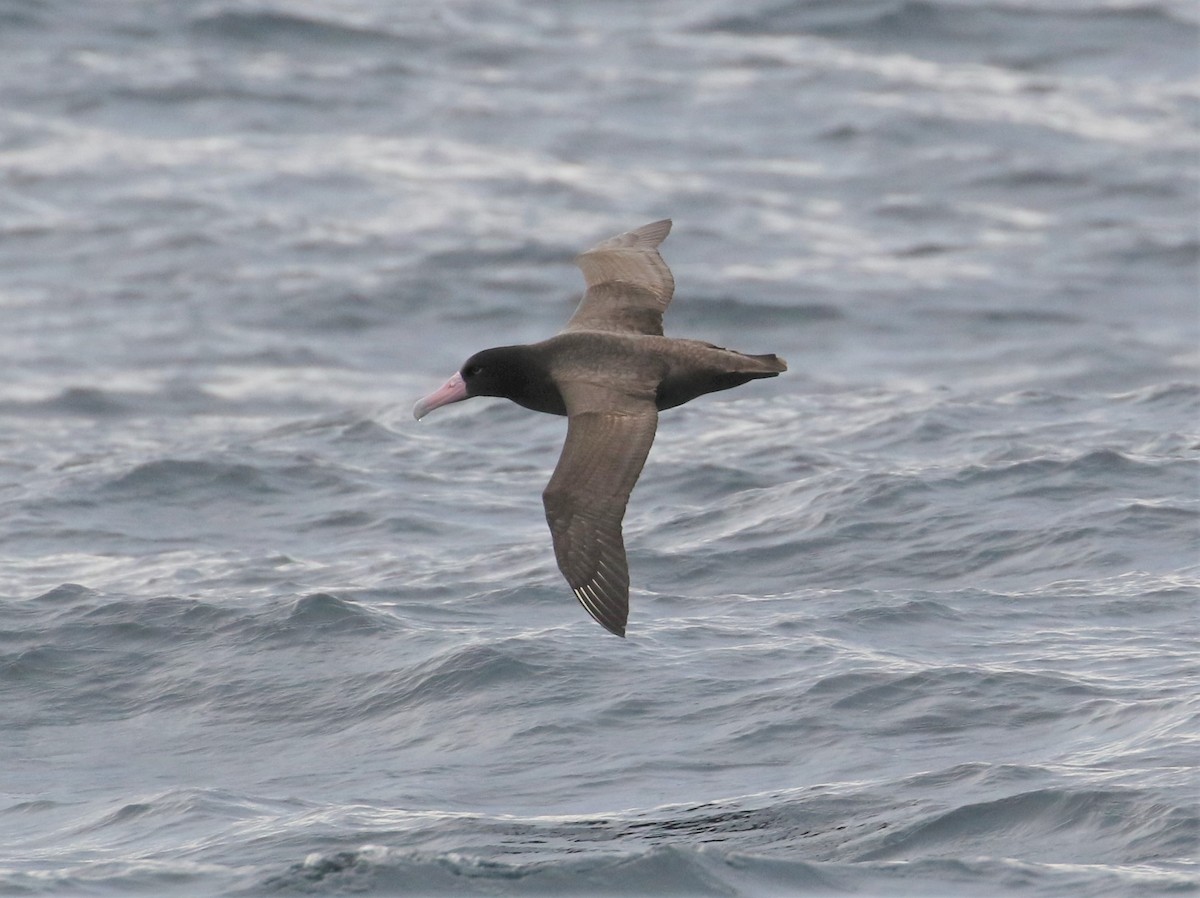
x,y
629,286
609,434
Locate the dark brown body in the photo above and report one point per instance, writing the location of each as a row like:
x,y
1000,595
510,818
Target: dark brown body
x,y
680,369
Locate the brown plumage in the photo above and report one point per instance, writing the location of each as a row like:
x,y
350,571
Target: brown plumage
x,y
610,371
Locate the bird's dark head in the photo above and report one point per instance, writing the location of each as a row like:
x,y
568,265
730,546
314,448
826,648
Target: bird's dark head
x,y
492,372
495,372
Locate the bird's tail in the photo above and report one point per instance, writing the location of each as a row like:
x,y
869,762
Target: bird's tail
x,y
769,365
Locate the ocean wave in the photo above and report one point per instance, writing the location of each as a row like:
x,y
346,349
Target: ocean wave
x,y
663,871
694,850
1114,825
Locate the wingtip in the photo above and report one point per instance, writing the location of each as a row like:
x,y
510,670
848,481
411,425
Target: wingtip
x,y
654,233
647,237
614,629
607,617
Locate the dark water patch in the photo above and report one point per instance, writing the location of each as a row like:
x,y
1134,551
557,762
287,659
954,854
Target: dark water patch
x,y
769,822
181,478
366,431
839,685
453,684
322,311
120,659
1073,476
952,700
804,18
93,658
212,91
75,610
878,493
87,401
181,481
929,249
1171,601
38,665
498,314
409,526
344,520
488,261
159,611
62,687
1040,178
1101,826
292,30
275,357
703,824
322,613
917,612
319,619
34,807
1024,38
1002,519
68,593
1138,517
1184,253
395,683
1021,317
99,403
177,810
670,870
933,427
464,673
915,210
22,14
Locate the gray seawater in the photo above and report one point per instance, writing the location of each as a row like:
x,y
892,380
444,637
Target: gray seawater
x,y
917,618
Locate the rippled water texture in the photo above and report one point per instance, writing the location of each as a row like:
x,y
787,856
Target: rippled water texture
x,y
918,618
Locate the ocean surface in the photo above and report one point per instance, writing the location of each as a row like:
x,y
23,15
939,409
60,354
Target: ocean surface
x,y
919,618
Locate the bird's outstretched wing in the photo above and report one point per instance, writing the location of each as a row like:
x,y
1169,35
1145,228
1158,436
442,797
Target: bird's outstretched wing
x,y
629,286
609,434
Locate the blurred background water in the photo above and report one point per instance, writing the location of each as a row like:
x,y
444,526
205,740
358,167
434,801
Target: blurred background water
x,y
917,618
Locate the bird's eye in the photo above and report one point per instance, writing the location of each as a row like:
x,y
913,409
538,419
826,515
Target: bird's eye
x,y
472,370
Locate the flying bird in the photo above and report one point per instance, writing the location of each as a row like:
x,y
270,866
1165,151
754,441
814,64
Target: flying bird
x,y
610,371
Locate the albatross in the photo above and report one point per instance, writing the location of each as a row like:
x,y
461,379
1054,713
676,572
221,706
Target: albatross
x,y
610,371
